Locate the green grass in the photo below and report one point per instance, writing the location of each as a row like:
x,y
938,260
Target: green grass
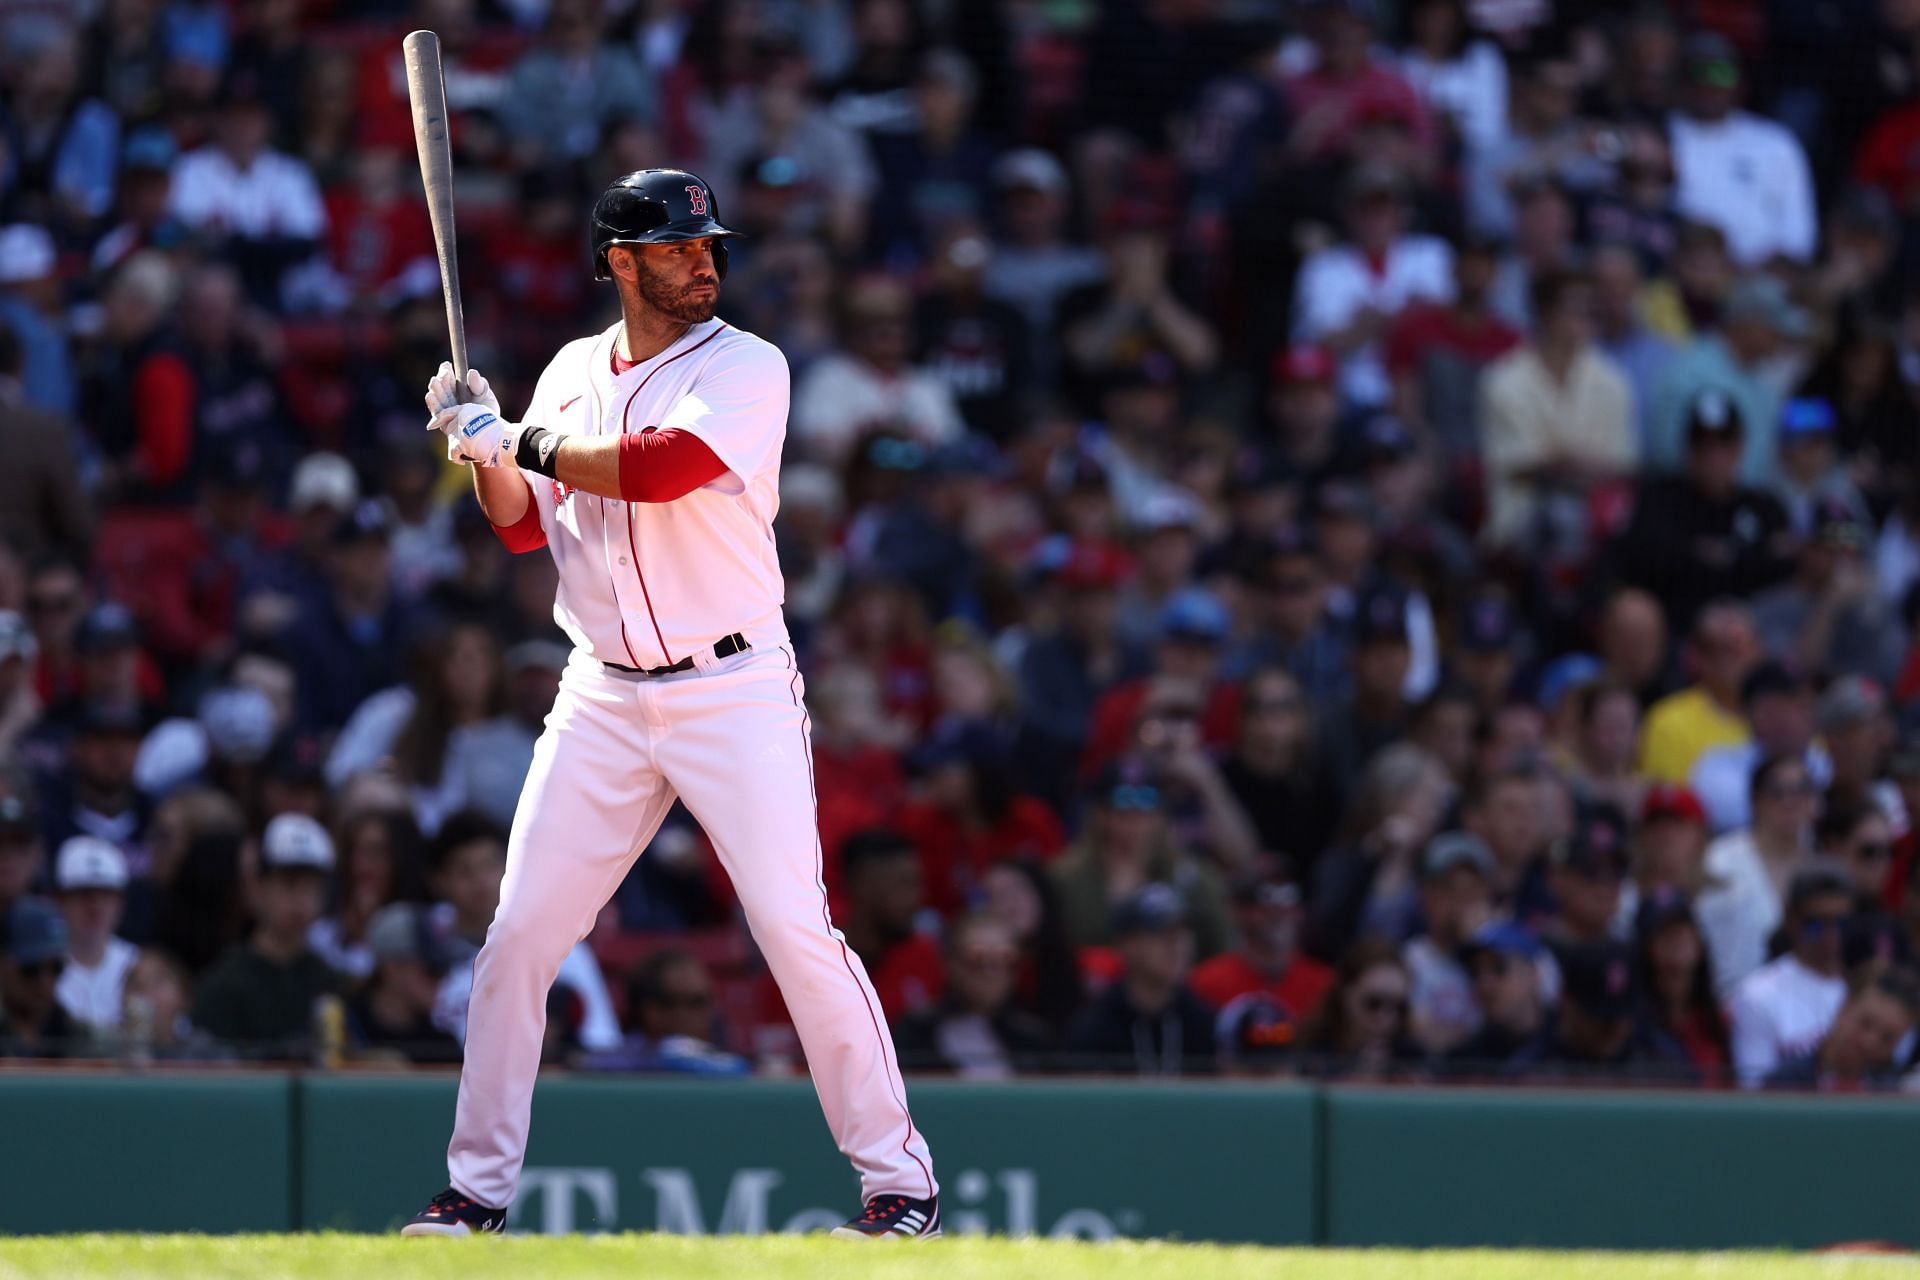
x,y
637,1257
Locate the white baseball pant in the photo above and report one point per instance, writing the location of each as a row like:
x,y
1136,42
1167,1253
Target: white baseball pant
x,y
730,738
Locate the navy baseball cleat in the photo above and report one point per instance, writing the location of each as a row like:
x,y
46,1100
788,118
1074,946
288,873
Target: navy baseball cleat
x,y
894,1218
452,1214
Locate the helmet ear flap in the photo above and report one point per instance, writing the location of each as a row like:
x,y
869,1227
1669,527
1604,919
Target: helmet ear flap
x,y
720,259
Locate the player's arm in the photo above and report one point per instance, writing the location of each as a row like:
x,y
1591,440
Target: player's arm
x,y
502,495
649,466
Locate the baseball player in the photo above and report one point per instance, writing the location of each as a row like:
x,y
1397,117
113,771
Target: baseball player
x,y
648,464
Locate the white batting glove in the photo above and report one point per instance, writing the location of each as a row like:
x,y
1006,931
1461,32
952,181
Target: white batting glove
x,y
477,435
444,391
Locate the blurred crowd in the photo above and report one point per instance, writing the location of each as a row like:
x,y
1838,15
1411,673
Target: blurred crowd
x,y
1361,538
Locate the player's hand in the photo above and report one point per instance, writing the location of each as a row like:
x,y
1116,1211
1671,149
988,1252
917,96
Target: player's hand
x,y
444,391
476,434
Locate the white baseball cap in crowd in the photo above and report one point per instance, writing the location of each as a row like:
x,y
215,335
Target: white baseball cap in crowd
x,y
324,480
88,862
295,842
238,722
1031,168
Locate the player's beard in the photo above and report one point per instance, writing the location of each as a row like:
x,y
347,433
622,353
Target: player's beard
x,y
676,302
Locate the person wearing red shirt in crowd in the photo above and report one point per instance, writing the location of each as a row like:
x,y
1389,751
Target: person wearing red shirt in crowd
x,y
212,396
1266,911
474,57
856,762
881,624
1348,88
534,259
1889,159
182,574
1436,352
885,893
1193,627
377,229
971,815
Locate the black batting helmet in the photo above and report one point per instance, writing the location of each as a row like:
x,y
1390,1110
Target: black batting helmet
x,y
656,206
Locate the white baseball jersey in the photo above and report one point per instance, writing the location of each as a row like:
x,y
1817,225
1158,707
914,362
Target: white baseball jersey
x,y
645,584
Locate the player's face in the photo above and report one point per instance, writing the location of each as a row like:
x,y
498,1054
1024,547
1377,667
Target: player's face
x,y
678,280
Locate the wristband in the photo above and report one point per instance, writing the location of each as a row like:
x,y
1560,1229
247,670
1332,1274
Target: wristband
x,y
536,449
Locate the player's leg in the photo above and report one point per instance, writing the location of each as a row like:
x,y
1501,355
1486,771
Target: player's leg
x,y
740,757
592,801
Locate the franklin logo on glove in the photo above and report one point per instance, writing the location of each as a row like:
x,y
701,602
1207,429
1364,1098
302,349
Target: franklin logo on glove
x,y
480,422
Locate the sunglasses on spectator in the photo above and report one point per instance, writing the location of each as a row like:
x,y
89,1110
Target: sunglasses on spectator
x,y
1285,702
683,999
1378,1002
1134,796
55,602
1789,790
1818,926
1873,849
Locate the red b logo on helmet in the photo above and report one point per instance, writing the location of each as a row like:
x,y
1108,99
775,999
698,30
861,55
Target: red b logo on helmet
x,y
698,195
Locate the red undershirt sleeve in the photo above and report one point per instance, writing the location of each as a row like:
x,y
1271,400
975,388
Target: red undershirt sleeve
x,y
660,466
524,534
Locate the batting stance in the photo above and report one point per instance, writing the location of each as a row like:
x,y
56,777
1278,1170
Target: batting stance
x,y
648,464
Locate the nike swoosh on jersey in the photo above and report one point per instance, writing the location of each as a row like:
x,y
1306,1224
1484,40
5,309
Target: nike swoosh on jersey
x,y
569,404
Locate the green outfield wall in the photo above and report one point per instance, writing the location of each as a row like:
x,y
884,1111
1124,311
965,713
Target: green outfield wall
x,y
96,1152
1277,1164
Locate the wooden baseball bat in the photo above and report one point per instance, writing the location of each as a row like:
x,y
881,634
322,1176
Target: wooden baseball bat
x,y
427,90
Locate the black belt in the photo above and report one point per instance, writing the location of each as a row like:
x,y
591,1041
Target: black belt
x,y
725,647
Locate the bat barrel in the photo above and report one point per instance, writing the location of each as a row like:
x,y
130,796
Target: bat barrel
x,y
427,92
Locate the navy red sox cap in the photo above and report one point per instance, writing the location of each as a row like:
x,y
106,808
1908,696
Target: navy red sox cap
x,y
656,206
